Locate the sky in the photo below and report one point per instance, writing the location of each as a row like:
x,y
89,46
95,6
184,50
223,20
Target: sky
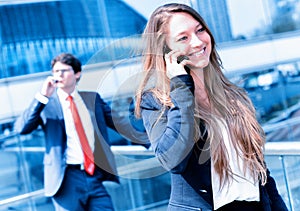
x,y
246,15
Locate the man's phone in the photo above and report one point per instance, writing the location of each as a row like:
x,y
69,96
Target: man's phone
x,y
179,58
55,81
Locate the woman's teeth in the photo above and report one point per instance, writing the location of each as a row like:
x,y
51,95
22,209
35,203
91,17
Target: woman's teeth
x,y
199,53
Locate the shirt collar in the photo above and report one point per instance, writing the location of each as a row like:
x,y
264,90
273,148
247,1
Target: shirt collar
x,y
63,95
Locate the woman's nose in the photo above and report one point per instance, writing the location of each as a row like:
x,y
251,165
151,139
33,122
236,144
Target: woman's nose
x,y
195,41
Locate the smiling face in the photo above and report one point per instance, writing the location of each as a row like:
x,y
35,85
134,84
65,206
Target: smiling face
x,y
186,34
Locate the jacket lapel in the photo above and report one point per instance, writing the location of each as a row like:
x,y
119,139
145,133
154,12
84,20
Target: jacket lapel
x,y
55,107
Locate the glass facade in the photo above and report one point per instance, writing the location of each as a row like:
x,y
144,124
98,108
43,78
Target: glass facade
x,y
219,22
33,33
258,42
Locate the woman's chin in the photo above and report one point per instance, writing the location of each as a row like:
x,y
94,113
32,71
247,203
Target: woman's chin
x,y
198,65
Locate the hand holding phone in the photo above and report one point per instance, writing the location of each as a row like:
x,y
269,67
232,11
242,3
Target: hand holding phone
x,y
180,58
49,86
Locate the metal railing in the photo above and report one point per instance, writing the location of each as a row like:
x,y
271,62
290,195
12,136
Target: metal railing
x,y
149,167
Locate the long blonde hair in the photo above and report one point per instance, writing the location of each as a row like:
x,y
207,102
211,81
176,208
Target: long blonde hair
x,y
227,100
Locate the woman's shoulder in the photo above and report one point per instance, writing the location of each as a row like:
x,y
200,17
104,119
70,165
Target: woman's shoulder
x,y
149,101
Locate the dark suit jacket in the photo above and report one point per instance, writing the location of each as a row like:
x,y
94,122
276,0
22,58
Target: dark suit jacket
x,y
171,132
50,118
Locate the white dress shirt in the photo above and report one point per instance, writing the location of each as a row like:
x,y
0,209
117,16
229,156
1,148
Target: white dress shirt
x,y
242,186
74,154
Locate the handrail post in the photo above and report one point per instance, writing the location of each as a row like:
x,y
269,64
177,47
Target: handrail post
x,y
285,174
24,171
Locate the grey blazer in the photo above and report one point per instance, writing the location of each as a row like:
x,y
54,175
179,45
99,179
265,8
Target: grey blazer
x,y
50,118
171,133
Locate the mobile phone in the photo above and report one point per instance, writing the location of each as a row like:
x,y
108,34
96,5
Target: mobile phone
x,y
179,58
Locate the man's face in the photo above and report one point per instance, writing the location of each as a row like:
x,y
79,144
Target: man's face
x,y
65,76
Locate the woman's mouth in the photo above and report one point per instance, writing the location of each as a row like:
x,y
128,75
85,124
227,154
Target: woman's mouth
x,y
198,53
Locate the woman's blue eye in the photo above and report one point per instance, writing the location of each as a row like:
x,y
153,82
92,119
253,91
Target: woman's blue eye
x,y
182,38
202,29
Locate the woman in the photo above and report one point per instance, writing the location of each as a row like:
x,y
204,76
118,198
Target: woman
x,y
201,126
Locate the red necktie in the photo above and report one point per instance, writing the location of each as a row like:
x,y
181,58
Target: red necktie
x,y
89,165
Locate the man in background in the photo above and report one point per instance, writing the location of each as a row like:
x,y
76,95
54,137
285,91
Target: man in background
x,y
77,157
